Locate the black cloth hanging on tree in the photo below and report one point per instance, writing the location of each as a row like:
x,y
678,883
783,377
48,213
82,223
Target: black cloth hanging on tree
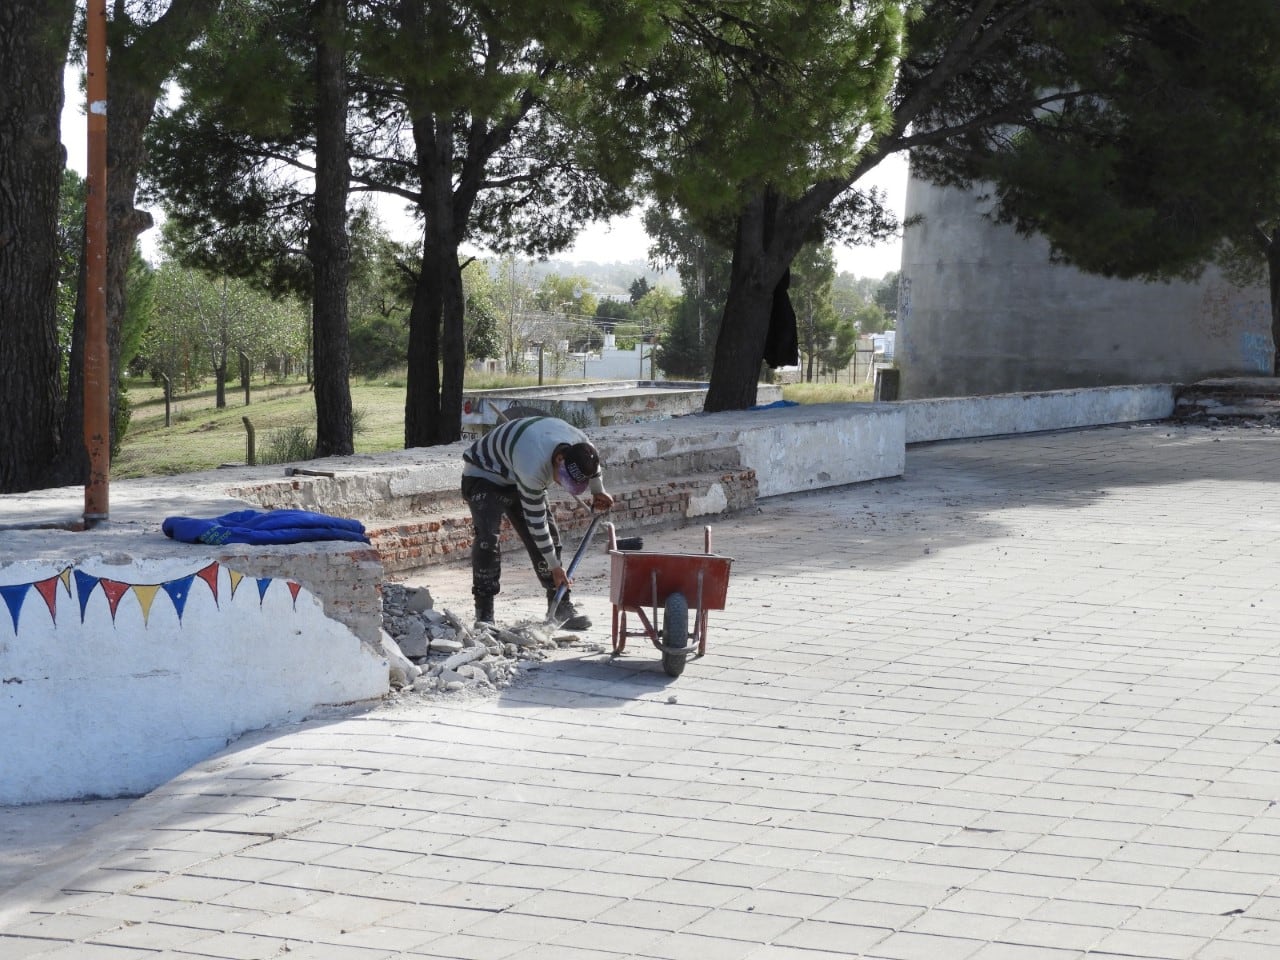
x,y
782,344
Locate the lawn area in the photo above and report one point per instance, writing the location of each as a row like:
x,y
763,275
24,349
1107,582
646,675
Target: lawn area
x,y
202,437
828,392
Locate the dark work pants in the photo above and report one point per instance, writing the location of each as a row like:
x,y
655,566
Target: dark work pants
x,y
489,503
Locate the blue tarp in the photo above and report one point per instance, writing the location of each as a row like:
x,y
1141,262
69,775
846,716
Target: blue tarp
x,y
261,527
775,405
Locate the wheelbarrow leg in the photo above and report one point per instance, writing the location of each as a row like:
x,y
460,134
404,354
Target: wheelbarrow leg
x,y
619,630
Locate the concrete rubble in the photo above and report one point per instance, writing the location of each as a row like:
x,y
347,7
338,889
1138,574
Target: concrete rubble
x,y
443,655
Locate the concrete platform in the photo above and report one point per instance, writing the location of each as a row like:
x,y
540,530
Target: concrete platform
x,y
1019,704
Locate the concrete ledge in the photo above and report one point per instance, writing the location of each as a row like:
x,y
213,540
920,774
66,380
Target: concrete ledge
x,y
790,448
597,403
954,418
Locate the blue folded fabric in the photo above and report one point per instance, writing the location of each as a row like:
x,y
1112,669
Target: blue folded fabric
x,y
775,405
264,527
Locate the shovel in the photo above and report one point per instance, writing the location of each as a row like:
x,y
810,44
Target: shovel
x,y
552,621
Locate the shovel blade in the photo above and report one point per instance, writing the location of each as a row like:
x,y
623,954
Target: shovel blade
x,y
552,620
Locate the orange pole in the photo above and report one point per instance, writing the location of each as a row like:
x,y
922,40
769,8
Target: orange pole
x,y
97,389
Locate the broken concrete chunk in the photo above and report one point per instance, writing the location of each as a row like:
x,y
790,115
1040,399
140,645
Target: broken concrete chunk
x,y
413,641
417,599
402,671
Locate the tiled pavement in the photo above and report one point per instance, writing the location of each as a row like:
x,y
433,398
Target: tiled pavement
x,y
1022,704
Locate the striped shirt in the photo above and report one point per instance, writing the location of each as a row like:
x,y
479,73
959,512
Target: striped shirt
x,y
518,454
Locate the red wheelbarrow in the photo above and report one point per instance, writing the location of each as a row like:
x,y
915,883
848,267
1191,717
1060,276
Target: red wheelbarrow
x,y
676,582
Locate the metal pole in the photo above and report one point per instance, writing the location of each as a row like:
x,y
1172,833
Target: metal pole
x,y
97,388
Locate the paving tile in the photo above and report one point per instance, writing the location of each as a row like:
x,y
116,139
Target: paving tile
x,y
467,947
1045,933
548,951
243,946
839,939
25,948
651,914
63,927
751,926
1156,945
1203,925
923,946
1009,951
91,951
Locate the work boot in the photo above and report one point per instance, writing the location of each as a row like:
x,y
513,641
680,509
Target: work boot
x,y
567,615
484,610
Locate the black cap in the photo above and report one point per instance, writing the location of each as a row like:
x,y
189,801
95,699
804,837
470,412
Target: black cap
x,y
581,462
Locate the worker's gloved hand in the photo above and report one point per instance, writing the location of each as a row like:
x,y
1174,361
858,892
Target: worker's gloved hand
x,y
601,501
560,578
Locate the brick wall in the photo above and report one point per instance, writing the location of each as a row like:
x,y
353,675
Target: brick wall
x,y
347,578
414,543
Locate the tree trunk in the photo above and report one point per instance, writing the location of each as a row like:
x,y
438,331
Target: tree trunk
x,y
453,353
735,372
771,230
34,37
1273,278
139,62
330,247
433,412
72,464
220,381
433,403
759,261
422,379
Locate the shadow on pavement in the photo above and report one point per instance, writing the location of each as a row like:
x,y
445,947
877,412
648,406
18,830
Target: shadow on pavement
x,y
592,681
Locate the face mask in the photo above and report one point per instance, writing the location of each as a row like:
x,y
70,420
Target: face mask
x,y
563,478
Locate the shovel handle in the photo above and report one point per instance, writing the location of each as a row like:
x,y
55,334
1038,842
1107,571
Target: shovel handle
x,y
573,564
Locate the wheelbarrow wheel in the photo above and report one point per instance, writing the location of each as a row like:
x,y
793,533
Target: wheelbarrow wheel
x,y
675,633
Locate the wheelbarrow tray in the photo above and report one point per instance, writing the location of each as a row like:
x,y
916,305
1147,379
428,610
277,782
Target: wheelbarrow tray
x,y
632,578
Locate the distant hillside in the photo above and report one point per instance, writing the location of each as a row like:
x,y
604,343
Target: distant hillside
x,y
607,279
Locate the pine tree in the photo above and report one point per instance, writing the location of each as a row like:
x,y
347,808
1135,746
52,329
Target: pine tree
x,y
34,35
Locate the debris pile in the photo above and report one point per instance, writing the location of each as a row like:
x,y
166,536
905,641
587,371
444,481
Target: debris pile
x,y
451,657
1234,402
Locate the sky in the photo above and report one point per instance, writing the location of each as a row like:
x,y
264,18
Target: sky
x,y
624,238
621,239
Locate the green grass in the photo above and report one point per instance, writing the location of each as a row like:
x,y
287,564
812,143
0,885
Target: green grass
x,y
201,437
828,392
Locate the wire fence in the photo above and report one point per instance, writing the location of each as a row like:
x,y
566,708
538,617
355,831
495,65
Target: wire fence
x,y
274,421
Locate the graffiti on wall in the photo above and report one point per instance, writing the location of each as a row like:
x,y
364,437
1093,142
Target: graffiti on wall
x,y
77,587
1231,314
904,313
1255,349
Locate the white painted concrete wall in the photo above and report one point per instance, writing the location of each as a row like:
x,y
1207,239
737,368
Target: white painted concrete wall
x,y
117,673
790,448
953,418
594,404
982,310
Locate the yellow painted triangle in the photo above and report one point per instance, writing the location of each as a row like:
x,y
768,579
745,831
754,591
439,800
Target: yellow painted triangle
x,y
146,594
235,580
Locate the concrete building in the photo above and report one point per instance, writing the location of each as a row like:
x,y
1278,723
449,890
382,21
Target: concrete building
x,y
982,310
